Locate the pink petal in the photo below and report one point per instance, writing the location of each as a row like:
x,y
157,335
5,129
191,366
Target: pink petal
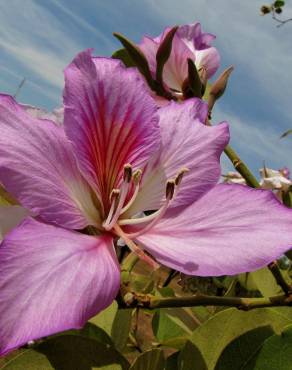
x,y
10,217
149,48
176,68
208,58
110,118
57,115
186,143
230,230
194,38
52,280
38,167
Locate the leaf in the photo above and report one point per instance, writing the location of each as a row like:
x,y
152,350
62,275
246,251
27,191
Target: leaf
x,y
190,358
137,57
276,353
172,361
194,80
286,133
121,328
264,281
207,91
287,198
242,352
69,352
279,3
105,318
90,331
124,56
173,326
217,332
149,360
163,53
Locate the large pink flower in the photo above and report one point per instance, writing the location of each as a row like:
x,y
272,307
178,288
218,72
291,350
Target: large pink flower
x,y
189,42
86,181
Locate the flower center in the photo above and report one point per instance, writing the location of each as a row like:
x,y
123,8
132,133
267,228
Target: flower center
x,y
120,204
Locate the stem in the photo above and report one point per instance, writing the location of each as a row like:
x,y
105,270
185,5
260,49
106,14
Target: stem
x,y
170,276
241,167
151,302
273,267
129,262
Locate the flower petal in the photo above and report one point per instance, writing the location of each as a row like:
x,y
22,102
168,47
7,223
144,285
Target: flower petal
x,y
57,115
38,167
192,35
10,217
110,118
208,58
51,280
176,68
186,143
232,229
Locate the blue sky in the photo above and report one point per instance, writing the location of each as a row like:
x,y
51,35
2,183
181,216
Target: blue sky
x,y
38,38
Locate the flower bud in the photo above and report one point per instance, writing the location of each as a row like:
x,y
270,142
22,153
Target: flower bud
x,y
219,86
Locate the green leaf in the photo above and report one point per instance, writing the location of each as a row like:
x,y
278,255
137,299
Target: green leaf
x,y
90,331
242,352
172,326
279,3
207,91
190,358
163,53
137,57
124,56
69,352
172,361
105,318
217,332
121,328
276,353
287,198
194,81
264,281
149,360
286,133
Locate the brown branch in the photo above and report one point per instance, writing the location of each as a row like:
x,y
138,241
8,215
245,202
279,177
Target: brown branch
x,y
246,304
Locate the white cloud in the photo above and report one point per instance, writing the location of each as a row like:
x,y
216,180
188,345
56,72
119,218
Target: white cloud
x,y
40,41
257,141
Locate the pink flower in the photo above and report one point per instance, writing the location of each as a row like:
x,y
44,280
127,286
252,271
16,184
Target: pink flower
x,y
189,42
115,156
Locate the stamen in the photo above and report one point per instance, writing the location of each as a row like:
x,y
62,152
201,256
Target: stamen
x,y
155,217
137,176
134,248
169,191
180,175
128,173
136,179
113,198
123,195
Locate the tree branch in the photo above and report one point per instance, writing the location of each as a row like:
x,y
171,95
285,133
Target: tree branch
x,y
246,304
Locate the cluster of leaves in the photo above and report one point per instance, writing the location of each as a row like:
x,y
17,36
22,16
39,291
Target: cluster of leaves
x,y
201,338
276,7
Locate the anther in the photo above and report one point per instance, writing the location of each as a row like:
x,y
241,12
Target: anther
x,y
128,173
114,194
137,176
180,175
169,191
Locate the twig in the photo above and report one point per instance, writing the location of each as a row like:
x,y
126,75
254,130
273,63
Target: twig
x,y
19,87
280,21
151,302
241,167
273,267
